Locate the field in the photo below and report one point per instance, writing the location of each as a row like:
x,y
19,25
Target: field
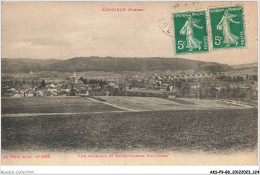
x,y
126,124
158,104
202,130
53,105
71,105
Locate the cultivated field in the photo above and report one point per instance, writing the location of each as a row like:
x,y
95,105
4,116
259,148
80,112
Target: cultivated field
x,y
126,124
71,105
158,104
53,105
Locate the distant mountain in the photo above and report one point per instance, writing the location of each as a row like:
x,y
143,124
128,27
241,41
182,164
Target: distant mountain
x,y
110,64
25,65
244,69
245,66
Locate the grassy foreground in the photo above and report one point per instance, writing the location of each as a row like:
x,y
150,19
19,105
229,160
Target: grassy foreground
x,y
198,130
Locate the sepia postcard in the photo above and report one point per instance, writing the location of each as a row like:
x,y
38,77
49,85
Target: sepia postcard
x,y
129,83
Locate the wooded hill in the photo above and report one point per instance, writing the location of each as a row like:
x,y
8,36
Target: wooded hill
x,y
109,64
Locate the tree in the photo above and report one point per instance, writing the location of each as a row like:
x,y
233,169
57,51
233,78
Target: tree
x,y
85,81
43,84
72,91
185,90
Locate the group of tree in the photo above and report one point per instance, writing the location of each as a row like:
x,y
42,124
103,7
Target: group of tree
x,y
237,78
230,79
18,82
100,82
183,88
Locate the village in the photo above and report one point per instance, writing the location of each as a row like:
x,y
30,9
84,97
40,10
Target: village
x,y
200,86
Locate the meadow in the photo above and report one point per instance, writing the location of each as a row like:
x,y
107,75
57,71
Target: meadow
x,y
52,105
158,104
154,124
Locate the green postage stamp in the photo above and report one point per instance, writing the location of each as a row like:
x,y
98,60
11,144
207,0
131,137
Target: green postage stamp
x,y
191,33
227,26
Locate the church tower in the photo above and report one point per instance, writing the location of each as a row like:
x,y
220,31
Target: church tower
x,y
74,78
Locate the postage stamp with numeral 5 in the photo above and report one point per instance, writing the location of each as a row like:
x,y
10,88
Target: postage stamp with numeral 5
x,y
227,27
190,31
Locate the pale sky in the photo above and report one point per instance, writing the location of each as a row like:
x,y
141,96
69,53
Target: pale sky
x,y
64,30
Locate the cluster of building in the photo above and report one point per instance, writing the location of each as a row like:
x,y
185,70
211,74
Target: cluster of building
x,y
201,86
67,87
